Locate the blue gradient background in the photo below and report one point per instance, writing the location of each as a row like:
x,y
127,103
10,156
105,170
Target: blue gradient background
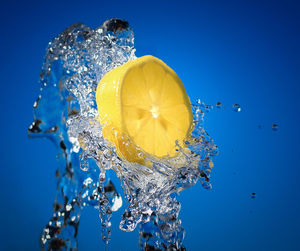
x,y
244,52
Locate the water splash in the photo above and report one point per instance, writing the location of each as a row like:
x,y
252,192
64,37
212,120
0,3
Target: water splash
x,y
65,112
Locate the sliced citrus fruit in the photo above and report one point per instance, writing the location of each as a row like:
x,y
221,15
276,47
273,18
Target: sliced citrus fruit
x,y
143,106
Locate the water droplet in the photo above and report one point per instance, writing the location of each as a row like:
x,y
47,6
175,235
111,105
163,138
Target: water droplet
x,y
102,177
219,105
275,127
236,108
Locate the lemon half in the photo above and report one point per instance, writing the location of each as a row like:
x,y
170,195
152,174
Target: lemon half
x,y
143,106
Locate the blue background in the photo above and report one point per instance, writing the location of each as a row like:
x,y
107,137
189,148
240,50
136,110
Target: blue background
x,y
244,52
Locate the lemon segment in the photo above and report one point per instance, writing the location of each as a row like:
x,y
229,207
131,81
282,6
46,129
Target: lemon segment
x,y
143,105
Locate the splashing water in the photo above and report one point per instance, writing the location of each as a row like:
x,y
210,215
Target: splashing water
x,y
66,112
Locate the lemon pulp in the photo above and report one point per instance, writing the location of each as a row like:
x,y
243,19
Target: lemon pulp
x,y
143,105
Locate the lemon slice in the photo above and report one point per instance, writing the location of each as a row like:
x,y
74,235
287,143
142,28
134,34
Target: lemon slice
x,y
143,106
